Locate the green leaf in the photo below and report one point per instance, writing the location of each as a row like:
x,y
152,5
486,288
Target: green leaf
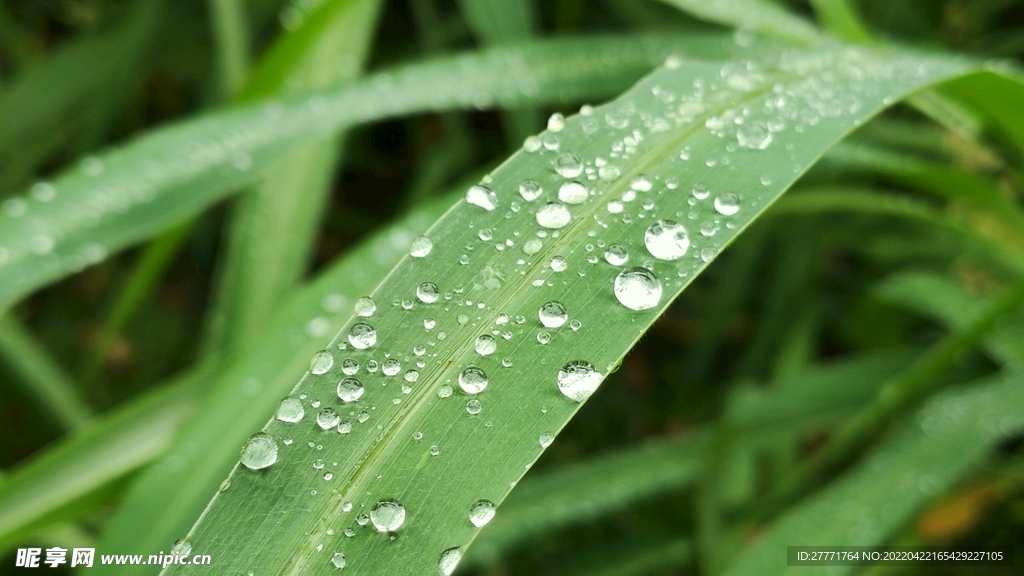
x,y
942,444
156,181
490,259
761,16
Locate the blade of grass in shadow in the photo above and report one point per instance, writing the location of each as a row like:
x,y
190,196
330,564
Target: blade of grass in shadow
x,y
158,180
273,228
942,298
945,441
492,256
43,379
838,17
52,480
762,16
231,41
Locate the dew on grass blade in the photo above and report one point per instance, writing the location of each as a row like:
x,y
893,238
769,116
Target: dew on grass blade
x,y
483,197
365,307
578,379
338,560
473,380
290,410
666,240
481,513
553,215
362,336
421,247
637,289
321,362
259,452
350,390
387,515
552,314
449,561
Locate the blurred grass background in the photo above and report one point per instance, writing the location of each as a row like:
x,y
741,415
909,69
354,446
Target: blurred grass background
x,y
795,291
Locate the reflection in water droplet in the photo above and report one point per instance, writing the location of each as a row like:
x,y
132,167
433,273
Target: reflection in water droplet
x,y
579,379
568,165
558,264
350,390
553,215
637,289
473,380
666,240
321,362
700,191
427,292
530,190
449,561
387,515
327,418
420,247
362,336
483,197
481,512
727,204
485,345
552,314
572,192
260,451
616,255
290,410
391,367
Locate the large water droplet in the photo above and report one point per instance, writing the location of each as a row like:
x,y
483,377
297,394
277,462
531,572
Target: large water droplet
x,y
427,292
666,240
553,215
568,165
259,452
481,512
321,362
552,314
616,255
578,379
727,204
473,380
420,247
365,307
362,336
572,192
637,289
753,136
290,410
483,197
327,418
350,390
338,560
485,345
387,515
449,561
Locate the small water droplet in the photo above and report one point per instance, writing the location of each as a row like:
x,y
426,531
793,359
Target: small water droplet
x,y
435,450
753,136
349,367
666,240
616,255
473,380
708,254
558,264
481,513
350,390
365,307
290,410
338,560
532,246
727,204
575,325
556,122
553,215
474,407
181,547
568,165
572,192
259,452
420,247
482,196
411,376
637,289
427,292
578,379
641,183
387,515
391,367
546,439
449,561
485,345
700,191
327,418
321,362
362,336
552,314
530,190
444,391
543,337
344,427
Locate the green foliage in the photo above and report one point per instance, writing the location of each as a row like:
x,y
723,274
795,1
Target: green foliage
x,y
789,250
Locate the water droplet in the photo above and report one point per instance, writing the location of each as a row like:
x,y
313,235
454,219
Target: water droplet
x,y
420,247
637,289
474,407
260,451
753,136
365,307
530,190
449,561
444,391
321,362
427,292
482,196
411,376
575,325
484,234
556,122
338,560
481,513
700,191
473,380
349,367
641,183
552,314
558,264
666,240
578,379
290,410
485,345
181,547
543,337
506,362
572,192
344,427
350,390
616,255
532,246
435,450
568,165
546,439
608,172
553,215
727,204
387,515
362,336
615,207
327,418
708,254
318,464
391,367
